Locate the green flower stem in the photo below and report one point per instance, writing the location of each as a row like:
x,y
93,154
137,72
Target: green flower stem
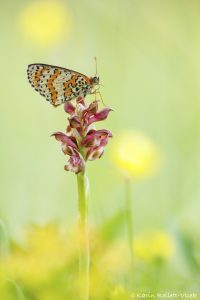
x,y
83,195
129,219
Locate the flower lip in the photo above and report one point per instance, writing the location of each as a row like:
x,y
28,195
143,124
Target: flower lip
x,y
74,121
95,136
75,163
65,139
99,116
94,153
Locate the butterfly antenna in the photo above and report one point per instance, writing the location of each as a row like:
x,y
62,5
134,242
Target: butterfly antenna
x,y
95,66
97,90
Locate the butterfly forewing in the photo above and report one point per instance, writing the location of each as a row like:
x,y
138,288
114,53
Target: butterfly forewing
x,y
56,84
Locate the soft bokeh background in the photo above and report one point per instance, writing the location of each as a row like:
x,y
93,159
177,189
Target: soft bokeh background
x,y
149,64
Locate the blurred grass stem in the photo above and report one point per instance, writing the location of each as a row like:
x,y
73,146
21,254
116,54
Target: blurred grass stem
x,y
4,244
84,260
20,295
129,218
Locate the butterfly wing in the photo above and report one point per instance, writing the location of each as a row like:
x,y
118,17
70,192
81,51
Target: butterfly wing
x,y
57,84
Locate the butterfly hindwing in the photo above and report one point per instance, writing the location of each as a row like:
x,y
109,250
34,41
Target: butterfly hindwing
x,y
56,84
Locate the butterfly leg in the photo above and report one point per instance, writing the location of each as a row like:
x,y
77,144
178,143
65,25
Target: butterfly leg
x,y
98,92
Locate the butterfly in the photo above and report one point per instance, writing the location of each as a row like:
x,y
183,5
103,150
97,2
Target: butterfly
x,y
59,85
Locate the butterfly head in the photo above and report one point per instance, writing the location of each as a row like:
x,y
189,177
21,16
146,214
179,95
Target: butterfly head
x,y
95,80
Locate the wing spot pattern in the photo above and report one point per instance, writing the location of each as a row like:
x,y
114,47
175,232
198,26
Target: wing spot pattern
x,y
51,87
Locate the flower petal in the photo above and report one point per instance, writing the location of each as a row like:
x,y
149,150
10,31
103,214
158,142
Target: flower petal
x,y
80,100
67,140
99,116
95,137
75,163
74,121
69,108
93,107
94,153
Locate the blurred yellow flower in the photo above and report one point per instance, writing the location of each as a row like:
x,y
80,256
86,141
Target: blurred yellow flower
x,y
46,249
45,22
135,154
119,293
99,283
47,264
116,258
151,246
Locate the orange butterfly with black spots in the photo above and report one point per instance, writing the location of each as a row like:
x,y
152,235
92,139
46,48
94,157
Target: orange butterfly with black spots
x,y
59,85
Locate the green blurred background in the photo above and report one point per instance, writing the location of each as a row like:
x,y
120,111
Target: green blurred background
x,y
149,63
